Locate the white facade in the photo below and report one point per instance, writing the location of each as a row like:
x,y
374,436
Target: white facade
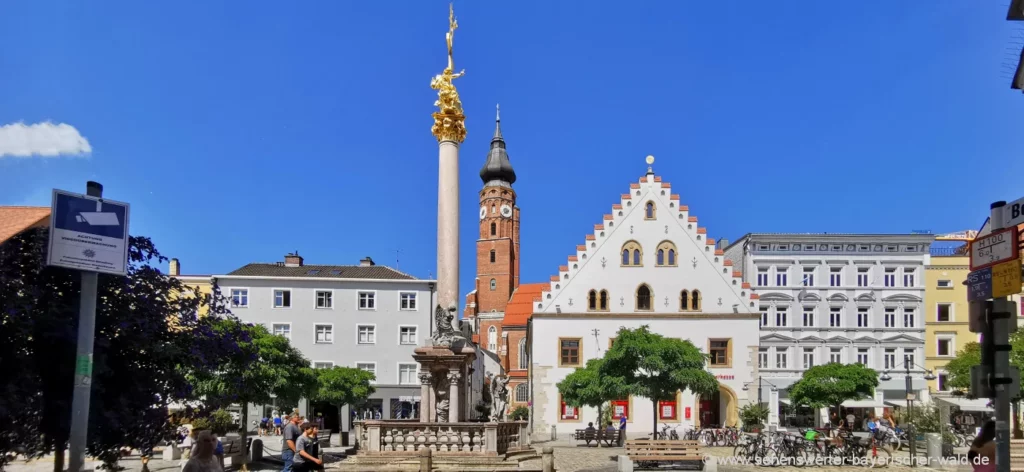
x,y
839,298
667,255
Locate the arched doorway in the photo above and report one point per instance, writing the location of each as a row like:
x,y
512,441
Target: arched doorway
x,y
718,409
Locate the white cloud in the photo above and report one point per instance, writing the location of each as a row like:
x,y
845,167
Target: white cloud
x,y
42,139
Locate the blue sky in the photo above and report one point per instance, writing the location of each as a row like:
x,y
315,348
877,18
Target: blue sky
x,y
242,131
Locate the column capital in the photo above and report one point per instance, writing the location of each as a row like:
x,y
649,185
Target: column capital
x,y
454,376
425,378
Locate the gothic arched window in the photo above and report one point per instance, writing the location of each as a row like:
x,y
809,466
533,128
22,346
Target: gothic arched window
x,y
494,284
666,254
644,298
492,339
524,361
631,254
522,393
696,300
603,304
684,300
592,300
649,211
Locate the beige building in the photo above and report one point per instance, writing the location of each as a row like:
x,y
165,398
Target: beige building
x,y
946,311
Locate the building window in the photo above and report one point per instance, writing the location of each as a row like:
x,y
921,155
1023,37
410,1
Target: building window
x,y
323,365
889,359
764,315
282,298
522,393
808,277
808,317
239,297
835,317
684,300
367,301
863,314
762,358
908,277
781,315
862,276
407,335
667,409
762,276
695,300
808,357
890,277
908,358
324,333
945,284
908,318
862,356
944,312
567,412
780,276
942,378
666,254
407,301
835,354
944,347
494,284
644,298
494,229
282,329
835,277
780,357
494,256
367,334
719,353
602,301
592,300
569,352
649,211
524,360
632,256
324,299
492,339
370,367
407,374
890,317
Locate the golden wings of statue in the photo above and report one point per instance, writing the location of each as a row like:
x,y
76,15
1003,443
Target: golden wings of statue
x,y
449,121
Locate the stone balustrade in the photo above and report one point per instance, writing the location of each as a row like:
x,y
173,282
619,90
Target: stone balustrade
x,y
398,437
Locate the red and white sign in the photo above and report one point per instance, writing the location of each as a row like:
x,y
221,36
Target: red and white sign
x,y
725,377
687,412
993,248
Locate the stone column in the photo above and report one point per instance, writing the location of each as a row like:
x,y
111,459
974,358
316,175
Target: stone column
x,y
448,224
773,409
426,405
454,403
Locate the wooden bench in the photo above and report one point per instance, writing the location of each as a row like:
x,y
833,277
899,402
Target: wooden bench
x,y
650,452
1017,455
232,450
609,437
323,438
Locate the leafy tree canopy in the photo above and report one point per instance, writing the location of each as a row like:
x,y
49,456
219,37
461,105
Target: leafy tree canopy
x,y
831,384
958,369
341,386
587,387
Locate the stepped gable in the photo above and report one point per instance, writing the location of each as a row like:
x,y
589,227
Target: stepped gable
x,y
649,188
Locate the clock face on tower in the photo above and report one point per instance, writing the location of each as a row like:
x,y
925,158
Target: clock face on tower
x,y
483,212
506,211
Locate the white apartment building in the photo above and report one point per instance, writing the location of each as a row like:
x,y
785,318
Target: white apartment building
x,y
838,298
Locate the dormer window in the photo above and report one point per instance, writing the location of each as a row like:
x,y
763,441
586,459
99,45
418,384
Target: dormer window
x,y
649,211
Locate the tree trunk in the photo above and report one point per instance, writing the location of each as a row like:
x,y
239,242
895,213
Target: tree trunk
x,y
1017,434
58,458
600,416
245,435
655,435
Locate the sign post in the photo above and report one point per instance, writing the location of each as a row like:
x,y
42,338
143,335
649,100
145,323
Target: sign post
x,y
88,234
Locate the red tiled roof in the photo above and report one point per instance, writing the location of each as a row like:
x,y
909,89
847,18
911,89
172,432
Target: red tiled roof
x,y
520,306
15,219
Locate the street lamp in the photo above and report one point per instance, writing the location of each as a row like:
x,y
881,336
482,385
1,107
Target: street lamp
x,y
746,387
907,364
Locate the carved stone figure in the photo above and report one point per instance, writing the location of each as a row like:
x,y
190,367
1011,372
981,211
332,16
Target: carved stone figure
x,y
499,397
446,334
441,385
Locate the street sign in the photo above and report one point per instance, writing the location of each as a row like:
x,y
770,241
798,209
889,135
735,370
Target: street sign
x,y
998,246
1013,213
1006,278
88,233
979,285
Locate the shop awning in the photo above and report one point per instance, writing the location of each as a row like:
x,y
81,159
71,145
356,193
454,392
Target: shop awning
x,y
409,399
897,403
966,404
868,403
784,401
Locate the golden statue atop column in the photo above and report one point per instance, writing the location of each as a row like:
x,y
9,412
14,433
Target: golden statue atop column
x,y
449,121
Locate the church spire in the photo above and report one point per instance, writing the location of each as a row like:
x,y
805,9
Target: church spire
x,y
497,166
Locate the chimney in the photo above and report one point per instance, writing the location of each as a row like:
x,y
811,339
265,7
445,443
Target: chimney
x,y
366,262
175,269
722,244
293,260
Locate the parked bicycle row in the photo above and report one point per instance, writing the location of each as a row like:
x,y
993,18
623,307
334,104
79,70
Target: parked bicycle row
x,y
721,437
811,449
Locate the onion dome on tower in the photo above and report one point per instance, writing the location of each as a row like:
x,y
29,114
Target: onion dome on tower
x,y
497,169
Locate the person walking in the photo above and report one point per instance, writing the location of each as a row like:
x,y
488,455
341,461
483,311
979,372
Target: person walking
x,y
277,425
203,459
291,435
622,430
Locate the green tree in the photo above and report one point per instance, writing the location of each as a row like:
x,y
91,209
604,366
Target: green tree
x,y
829,385
265,366
587,387
520,413
958,371
340,386
753,415
652,366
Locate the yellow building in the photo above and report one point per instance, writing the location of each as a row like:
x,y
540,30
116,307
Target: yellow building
x,y
199,284
946,311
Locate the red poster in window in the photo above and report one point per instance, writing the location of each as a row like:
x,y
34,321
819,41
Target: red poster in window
x,y
568,412
666,410
620,408
687,412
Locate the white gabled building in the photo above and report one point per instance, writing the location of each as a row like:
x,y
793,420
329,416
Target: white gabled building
x,y
839,298
647,263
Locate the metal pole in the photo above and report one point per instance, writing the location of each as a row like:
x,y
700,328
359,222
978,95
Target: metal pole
x,y
759,390
83,360
910,415
1001,337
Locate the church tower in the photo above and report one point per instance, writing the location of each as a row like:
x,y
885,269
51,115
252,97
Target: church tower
x,y
497,249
